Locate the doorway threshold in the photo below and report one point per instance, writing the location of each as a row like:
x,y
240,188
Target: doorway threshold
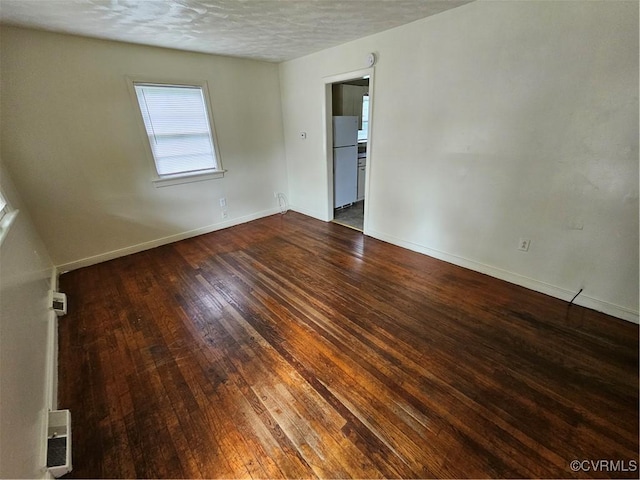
x,y
343,224
351,216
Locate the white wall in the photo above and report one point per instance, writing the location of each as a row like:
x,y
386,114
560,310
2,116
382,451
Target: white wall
x,y
491,122
26,332
71,140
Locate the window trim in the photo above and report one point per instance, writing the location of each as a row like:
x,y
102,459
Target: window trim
x,y
183,177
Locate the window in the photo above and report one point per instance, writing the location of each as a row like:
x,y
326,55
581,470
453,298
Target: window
x,y
178,128
364,133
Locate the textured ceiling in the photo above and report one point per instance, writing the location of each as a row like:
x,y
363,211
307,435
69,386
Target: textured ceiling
x,y
271,30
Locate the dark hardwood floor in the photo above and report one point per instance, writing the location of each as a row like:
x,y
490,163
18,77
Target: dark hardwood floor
x,y
290,347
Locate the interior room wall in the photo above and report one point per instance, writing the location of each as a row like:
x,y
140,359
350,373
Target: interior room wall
x,y
72,141
26,325
492,122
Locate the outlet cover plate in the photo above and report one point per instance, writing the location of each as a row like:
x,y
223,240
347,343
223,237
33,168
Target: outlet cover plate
x,y
523,244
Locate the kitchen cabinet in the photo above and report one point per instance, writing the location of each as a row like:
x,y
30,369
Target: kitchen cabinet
x,y
362,170
347,101
361,175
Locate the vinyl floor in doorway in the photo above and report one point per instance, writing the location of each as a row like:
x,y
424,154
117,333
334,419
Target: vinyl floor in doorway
x,y
351,216
290,347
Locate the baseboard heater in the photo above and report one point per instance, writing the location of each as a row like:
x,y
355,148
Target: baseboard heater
x,y
59,442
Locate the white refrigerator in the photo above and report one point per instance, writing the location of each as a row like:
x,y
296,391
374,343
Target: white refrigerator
x,y
345,160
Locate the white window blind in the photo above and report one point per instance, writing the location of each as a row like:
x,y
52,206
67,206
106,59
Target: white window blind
x,y
175,118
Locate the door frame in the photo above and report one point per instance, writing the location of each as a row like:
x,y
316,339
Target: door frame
x,y
328,135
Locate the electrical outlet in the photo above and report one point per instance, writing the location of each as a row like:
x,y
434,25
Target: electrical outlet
x,y
523,244
224,214
223,202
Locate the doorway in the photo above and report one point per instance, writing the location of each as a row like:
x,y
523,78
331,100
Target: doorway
x,y
350,100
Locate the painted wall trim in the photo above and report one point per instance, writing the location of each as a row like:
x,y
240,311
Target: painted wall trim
x,y
103,257
44,422
52,362
327,134
310,213
526,282
54,279
51,386
51,374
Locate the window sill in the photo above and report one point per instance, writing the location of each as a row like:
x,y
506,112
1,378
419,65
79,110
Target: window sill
x,y
5,224
179,179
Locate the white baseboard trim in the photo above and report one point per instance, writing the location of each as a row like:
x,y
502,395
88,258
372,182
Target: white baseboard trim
x,y
53,284
52,361
51,374
309,213
51,386
103,257
526,282
44,419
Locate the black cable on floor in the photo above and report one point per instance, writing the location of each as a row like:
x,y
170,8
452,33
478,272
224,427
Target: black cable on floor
x,y
575,296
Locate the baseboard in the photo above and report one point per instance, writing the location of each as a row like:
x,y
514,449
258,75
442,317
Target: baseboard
x,y
309,213
51,373
46,474
51,386
526,282
53,283
52,361
612,309
103,257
